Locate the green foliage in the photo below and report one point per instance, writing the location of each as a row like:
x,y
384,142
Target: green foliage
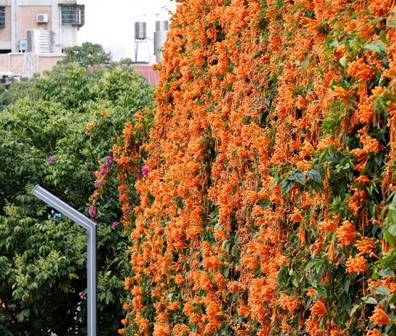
x,y
86,54
16,91
44,140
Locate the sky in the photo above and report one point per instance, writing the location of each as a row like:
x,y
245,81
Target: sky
x,y
111,24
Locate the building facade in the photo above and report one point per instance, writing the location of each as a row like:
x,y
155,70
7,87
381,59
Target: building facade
x,y
62,17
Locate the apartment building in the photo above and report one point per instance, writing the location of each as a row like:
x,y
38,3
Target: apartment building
x,y
62,17
33,34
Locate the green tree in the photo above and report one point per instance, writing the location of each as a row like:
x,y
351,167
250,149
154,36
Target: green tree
x,y
86,54
44,140
16,91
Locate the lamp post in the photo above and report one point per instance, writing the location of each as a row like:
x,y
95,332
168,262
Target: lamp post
x,y
90,226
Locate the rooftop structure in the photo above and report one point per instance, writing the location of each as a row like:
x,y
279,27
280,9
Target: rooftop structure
x,y
62,17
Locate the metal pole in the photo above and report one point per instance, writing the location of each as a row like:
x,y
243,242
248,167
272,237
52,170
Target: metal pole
x,y
90,226
14,26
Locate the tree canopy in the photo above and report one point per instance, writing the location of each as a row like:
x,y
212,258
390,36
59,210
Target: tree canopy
x,y
86,54
56,134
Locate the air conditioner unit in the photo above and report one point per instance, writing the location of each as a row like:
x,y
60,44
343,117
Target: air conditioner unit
x,y
42,18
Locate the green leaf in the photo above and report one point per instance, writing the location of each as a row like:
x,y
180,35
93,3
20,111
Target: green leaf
x,y
304,65
383,37
392,299
373,47
392,229
299,176
382,290
347,285
320,169
313,263
381,46
389,237
392,23
321,288
314,175
369,300
353,310
282,276
343,61
286,185
318,187
23,315
378,47
387,272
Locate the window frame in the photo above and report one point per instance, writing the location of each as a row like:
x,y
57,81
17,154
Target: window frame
x,y
2,16
72,14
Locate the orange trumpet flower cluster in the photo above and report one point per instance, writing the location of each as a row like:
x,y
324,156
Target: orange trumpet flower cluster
x,y
265,170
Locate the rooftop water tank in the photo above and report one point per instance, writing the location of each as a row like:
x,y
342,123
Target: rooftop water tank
x,y
140,30
161,28
161,25
40,41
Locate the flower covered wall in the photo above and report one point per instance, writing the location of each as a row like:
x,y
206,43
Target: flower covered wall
x,y
266,197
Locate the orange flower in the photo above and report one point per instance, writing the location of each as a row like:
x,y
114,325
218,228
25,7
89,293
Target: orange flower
x,y
360,70
311,292
126,306
289,303
104,112
128,283
243,311
175,305
365,113
325,142
301,235
287,328
188,309
90,126
331,251
330,224
296,216
370,145
365,245
356,265
121,331
373,332
379,317
343,94
233,286
318,309
363,178
179,279
346,234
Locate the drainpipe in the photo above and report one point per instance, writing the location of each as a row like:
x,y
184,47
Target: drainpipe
x,y
14,26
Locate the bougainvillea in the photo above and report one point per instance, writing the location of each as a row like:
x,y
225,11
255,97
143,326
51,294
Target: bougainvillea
x,y
266,203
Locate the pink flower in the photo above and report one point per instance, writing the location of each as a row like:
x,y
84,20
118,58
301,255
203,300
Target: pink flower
x,y
51,159
144,170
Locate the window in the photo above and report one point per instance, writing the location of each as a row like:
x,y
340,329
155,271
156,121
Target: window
x,y
73,14
2,16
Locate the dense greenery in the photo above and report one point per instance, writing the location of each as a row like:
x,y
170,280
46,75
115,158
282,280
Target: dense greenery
x,y
54,134
86,54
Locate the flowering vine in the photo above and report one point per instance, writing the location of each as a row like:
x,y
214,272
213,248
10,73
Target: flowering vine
x,y
266,186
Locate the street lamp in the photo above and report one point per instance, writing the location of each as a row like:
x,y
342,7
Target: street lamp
x,y
90,226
